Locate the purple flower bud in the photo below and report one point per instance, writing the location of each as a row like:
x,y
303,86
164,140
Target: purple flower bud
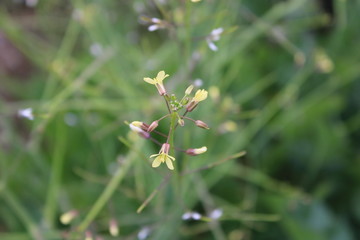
x,y
201,124
152,126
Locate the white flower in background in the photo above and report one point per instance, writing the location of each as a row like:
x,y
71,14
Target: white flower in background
x,y
213,37
143,233
31,3
216,213
96,49
198,82
26,113
191,215
156,24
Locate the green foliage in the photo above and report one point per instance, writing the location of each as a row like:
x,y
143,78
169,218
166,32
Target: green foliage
x,y
287,75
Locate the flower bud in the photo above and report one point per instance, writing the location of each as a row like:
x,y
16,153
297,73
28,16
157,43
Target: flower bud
x,y
196,151
152,126
67,217
189,90
185,101
201,124
181,122
113,228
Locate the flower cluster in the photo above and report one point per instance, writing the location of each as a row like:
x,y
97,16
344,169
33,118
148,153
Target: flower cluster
x,y
174,106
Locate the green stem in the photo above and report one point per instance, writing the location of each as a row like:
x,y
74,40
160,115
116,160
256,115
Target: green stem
x,y
176,179
171,132
188,36
106,195
56,172
22,214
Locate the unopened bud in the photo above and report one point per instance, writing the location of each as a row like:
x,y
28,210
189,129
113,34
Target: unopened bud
x,y
152,126
189,90
113,228
196,151
181,122
67,217
185,101
201,124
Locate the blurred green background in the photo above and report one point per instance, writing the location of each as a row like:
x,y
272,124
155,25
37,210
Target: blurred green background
x,y
284,87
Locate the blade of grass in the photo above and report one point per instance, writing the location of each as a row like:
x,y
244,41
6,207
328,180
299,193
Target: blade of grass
x,y
108,192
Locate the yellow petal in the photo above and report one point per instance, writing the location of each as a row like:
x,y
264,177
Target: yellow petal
x,y
154,155
149,80
200,95
169,164
171,157
136,123
161,76
156,162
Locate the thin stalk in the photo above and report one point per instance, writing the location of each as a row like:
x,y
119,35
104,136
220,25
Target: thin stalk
x,y
55,179
176,179
22,214
187,37
106,195
153,194
167,115
167,103
160,133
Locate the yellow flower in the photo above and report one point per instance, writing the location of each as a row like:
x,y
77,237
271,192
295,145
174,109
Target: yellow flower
x,y
158,82
200,95
163,157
